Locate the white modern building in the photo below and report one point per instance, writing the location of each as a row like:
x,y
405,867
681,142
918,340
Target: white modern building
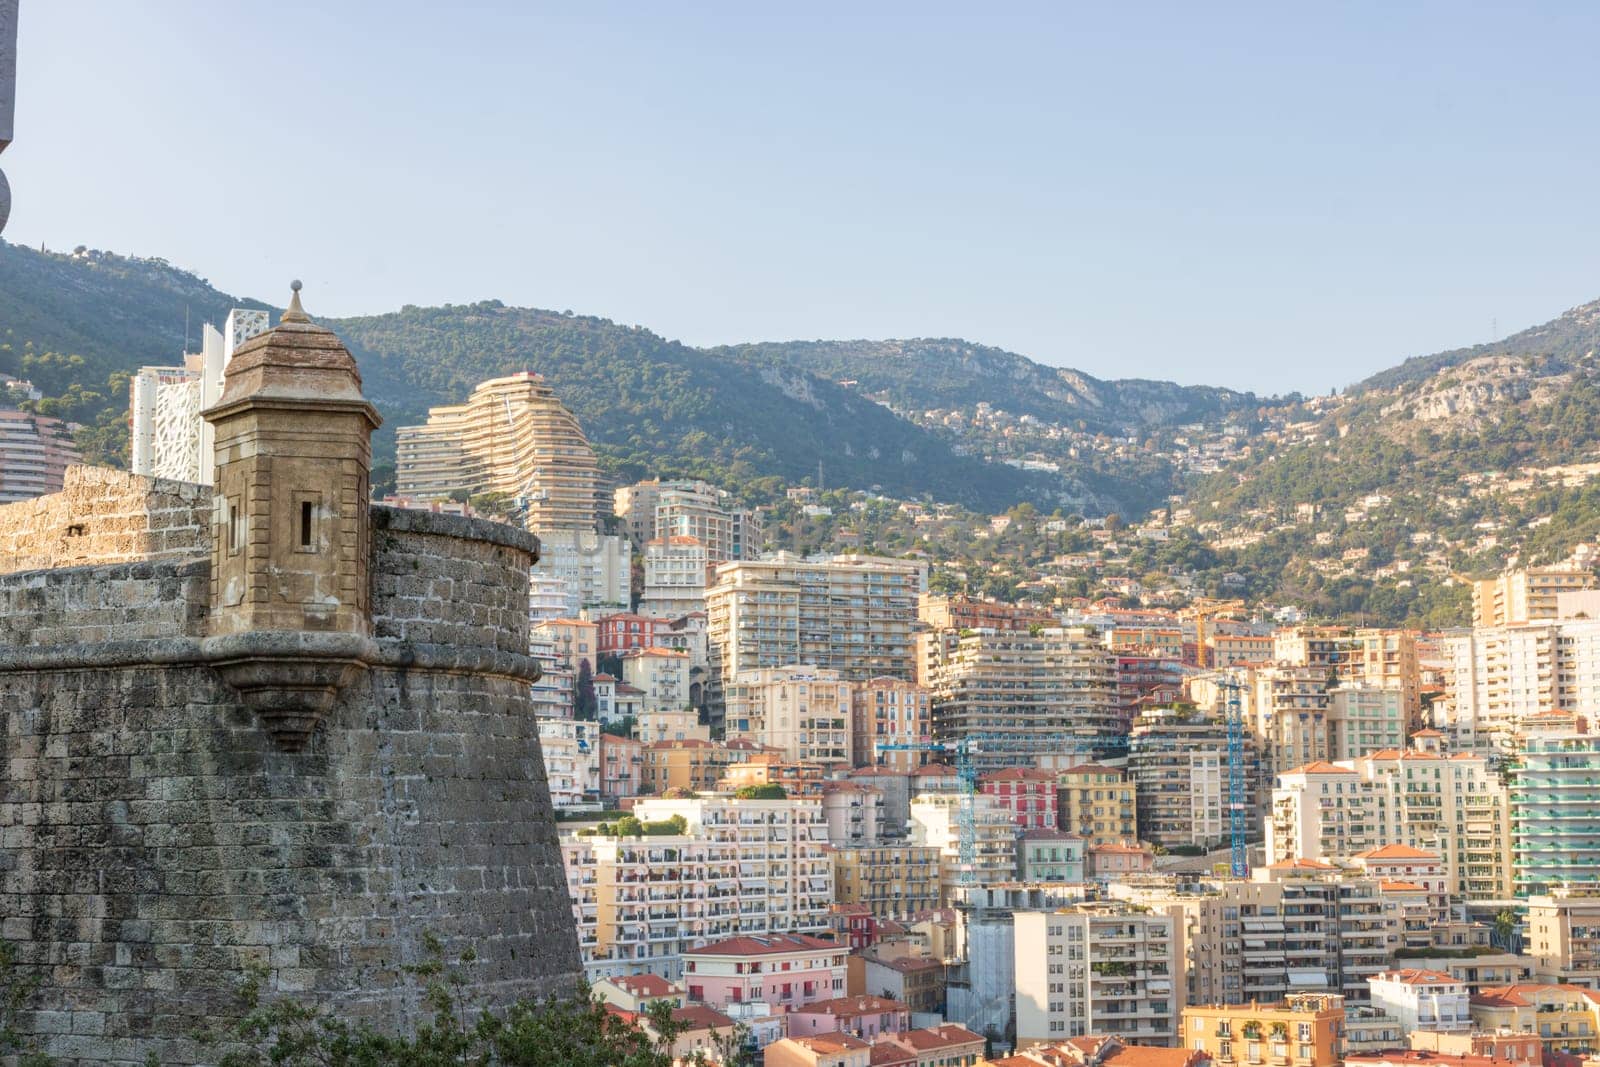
x,y
167,437
1423,1000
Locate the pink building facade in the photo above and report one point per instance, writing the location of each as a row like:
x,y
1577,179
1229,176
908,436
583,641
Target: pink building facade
x,y
787,971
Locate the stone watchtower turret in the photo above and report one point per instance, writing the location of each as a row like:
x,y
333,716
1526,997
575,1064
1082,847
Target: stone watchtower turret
x,y
290,616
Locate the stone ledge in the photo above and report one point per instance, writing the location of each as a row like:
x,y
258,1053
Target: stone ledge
x,y
411,520
176,651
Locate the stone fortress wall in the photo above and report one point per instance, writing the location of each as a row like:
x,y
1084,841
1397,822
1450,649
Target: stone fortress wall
x,y
158,838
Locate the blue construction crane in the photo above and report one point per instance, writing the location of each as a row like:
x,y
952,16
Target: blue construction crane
x,y
1238,830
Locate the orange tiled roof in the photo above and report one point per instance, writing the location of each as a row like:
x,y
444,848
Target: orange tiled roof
x,y
764,946
1397,852
845,1007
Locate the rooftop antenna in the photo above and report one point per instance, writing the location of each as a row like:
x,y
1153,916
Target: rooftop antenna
x,y
186,329
1494,330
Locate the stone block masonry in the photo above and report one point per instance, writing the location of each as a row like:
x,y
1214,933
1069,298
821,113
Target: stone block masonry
x,y
155,841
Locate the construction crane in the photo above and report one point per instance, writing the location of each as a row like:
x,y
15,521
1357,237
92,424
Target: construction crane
x,y
1202,610
967,775
1238,849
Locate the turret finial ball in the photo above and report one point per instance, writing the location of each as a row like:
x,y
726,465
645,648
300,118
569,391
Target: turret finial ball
x,y
295,285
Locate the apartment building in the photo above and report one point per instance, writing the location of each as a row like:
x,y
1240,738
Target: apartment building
x,y
621,767
1054,685
804,712
936,822
960,612
895,881
1098,969
1098,803
1563,935
1178,764
1028,794
1050,856
1144,681
890,711
1454,806
1503,675
1305,1030
691,764
661,675
35,452
854,812
1566,1017
1241,650
664,510
741,867
851,614
1365,718
571,762
571,642
1294,926
1387,659
512,437
866,1017
167,438
786,971
1555,808
1402,865
624,631
1529,594
675,570
1422,1000
1290,715
824,1050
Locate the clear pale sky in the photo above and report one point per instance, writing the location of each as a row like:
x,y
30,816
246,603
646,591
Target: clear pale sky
x,y
1268,197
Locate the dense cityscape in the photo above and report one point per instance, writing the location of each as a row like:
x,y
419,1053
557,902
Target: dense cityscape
x,y
485,685
812,801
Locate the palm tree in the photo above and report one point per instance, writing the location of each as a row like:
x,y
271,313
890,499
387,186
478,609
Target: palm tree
x,y
1505,927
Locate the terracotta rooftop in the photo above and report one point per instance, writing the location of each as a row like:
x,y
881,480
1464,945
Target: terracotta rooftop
x,y
1320,766
834,1042
644,985
934,1038
1413,976
1397,852
702,1017
1401,887
889,1054
845,1007
764,946
911,964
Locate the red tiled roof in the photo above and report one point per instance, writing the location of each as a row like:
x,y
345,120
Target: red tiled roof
x,y
845,1007
945,1035
834,1042
701,1017
1397,852
889,1054
1401,887
644,985
773,944
1320,766
1414,976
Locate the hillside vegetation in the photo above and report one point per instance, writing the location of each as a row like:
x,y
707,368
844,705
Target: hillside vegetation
x,y
78,325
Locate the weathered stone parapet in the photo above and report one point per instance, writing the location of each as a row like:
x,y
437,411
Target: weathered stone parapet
x,y
106,516
193,652
412,520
